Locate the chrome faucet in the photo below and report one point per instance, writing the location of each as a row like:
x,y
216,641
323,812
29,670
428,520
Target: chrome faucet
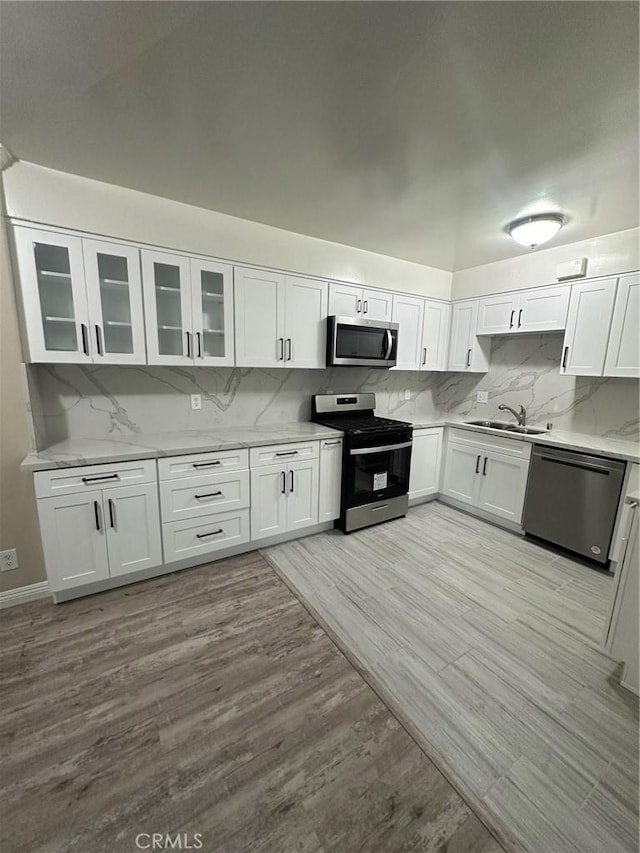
x,y
521,417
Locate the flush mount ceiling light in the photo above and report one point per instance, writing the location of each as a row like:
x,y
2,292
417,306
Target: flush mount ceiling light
x,y
531,231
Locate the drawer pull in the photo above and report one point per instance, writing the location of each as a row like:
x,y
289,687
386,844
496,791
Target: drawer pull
x,y
213,533
287,453
206,464
101,478
208,495
332,443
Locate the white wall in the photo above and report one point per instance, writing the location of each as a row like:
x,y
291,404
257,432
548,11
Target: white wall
x,y
47,196
608,255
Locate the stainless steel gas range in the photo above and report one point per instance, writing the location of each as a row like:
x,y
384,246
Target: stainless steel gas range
x,y
376,459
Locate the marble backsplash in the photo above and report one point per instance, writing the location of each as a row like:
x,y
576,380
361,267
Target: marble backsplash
x,y
70,401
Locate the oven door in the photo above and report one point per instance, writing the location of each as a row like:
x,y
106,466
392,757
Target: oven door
x,y
365,343
377,473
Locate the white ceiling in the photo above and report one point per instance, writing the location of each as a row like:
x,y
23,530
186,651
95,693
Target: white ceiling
x,y
415,129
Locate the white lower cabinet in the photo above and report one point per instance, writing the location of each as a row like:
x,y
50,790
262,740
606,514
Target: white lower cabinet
x,y
426,454
284,489
93,535
330,479
194,537
488,474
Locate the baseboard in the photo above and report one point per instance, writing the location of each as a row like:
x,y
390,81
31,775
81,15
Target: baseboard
x,y
23,594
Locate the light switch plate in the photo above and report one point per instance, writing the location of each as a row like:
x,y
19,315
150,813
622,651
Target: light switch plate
x,y
407,395
482,396
196,402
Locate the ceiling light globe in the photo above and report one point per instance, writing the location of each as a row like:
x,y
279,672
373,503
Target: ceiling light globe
x,y
531,231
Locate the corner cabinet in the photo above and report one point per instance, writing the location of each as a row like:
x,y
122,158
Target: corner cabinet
x,y
467,353
486,473
281,320
588,323
623,350
189,310
81,299
424,332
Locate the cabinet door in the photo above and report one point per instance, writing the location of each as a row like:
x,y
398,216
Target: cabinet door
x,y
377,305
167,301
73,539
269,487
302,494
587,334
467,352
212,308
54,298
330,479
260,313
408,311
498,314
132,518
623,351
503,481
345,300
543,309
462,473
435,335
306,305
425,463
114,294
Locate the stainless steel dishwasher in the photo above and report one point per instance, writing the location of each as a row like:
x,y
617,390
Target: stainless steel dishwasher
x,y
572,500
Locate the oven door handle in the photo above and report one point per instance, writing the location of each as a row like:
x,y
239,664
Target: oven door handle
x,y
389,336
359,451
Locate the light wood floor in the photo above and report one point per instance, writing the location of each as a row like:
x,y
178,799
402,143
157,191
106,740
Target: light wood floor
x,y
485,644
208,702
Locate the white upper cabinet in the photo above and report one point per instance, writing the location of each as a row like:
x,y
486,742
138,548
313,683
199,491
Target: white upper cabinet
x,y
408,311
435,335
587,333
167,301
280,320
114,293
542,309
467,352
347,300
212,313
623,351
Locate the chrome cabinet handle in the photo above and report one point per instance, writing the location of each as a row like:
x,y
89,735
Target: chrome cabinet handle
x,y
424,355
366,305
208,495
289,349
468,358
112,513
564,358
212,533
478,465
291,486
206,464
199,339
511,320
287,453
99,340
484,467
519,318
359,306
100,478
96,512
84,332
284,482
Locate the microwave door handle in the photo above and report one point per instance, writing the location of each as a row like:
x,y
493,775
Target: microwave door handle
x,y
389,344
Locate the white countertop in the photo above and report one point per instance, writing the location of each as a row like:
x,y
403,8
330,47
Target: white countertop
x,y
95,451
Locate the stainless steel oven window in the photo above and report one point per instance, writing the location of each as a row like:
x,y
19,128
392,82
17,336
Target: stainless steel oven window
x,y
378,475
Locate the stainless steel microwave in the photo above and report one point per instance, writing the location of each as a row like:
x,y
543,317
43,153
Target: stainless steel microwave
x,y
360,342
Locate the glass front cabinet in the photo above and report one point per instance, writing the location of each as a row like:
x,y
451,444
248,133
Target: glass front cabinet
x,y
189,310
81,299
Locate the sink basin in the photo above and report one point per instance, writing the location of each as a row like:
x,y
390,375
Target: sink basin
x,y
522,430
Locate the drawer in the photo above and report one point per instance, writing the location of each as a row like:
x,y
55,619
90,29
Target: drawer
x,y
515,446
193,497
66,481
176,467
293,452
203,536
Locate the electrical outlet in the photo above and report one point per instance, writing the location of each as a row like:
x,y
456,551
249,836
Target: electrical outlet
x,y
196,402
407,395
482,397
8,560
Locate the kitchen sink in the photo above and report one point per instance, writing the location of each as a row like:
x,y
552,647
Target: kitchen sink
x,y
522,430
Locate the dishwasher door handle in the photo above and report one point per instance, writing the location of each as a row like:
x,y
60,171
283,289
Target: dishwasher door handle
x,y
599,469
